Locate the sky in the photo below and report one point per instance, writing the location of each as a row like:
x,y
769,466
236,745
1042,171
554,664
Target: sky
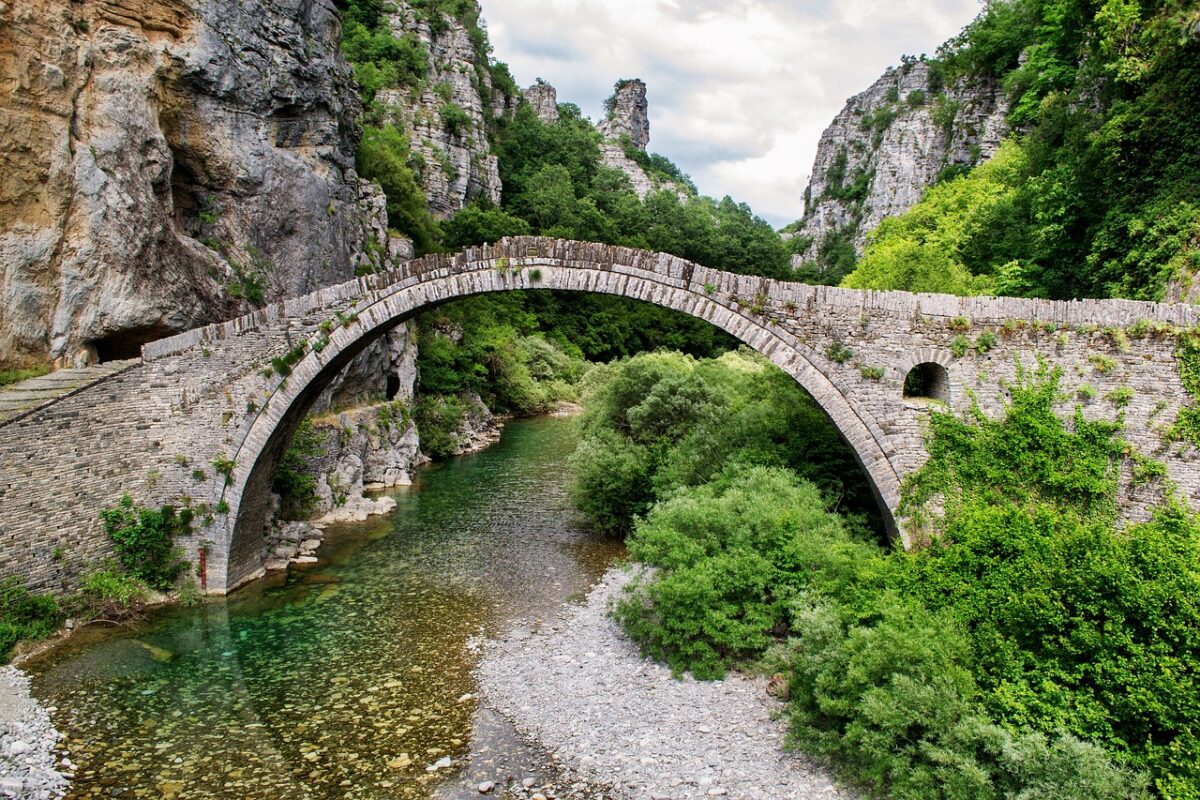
x,y
739,90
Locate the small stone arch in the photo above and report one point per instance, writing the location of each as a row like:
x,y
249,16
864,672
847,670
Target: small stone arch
x,y
664,281
925,375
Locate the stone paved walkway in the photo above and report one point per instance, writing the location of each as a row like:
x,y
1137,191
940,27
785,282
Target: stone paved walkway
x,y
19,398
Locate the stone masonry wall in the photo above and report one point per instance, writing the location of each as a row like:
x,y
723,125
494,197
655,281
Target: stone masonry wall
x,y
156,429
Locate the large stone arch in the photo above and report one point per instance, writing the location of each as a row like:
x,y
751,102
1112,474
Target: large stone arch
x,y
670,283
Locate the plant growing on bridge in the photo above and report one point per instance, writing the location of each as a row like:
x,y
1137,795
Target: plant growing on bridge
x,y
144,540
1120,397
838,352
1102,363
872,373
960,346
985,342
224,466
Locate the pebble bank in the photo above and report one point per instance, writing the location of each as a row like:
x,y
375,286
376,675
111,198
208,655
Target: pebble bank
x,y
581,689
27,741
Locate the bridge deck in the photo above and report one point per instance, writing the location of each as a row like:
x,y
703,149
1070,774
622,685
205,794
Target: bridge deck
x,y
18,399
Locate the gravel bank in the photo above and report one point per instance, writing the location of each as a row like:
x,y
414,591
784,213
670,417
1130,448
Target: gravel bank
x,y
27,740
581,689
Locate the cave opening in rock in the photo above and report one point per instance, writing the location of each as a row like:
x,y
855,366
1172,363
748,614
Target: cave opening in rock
x,y
393,387
127,344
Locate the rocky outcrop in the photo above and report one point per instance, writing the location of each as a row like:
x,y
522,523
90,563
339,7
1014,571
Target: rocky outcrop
x,y
447,116
628,114
888,145
164,163
625,131
543,99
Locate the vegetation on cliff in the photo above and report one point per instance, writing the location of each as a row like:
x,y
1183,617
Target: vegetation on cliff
x,y
1096,194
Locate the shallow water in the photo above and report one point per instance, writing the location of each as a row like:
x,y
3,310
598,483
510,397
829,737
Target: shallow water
x,y
349,679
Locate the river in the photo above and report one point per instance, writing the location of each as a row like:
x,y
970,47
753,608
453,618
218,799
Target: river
x,y
350,679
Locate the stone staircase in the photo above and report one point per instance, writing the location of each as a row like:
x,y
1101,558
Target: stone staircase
x,y
18,399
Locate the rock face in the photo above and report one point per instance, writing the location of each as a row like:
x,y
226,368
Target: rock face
x,y
364,420
164,161
628,114
447,117
888,145
543,98
625,132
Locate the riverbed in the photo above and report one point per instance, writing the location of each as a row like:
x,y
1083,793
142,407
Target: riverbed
x,y
355,678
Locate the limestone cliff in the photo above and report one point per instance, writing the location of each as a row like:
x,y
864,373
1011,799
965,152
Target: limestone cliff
x,y
625,131
447,116
165,163
887,145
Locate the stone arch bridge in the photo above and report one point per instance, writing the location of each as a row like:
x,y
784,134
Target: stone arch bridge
x,y
203,417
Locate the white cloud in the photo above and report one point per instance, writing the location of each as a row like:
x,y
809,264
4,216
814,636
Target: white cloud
x,y
739,90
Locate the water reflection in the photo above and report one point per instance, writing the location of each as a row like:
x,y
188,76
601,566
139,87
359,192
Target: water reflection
x,y
352,679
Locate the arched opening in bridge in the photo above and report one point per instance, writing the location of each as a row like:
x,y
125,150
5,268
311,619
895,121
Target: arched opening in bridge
x,y
573,282
928,381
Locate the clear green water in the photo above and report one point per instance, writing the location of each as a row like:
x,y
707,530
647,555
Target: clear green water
x,y
349,679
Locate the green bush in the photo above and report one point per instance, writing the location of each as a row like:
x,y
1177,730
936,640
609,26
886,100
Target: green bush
x,y
294,481
144,540
437,419
24,615
610,481
108,585
728,560
456,120
681,421
893,702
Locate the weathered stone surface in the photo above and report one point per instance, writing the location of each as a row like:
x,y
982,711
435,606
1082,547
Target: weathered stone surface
x,y
158,155
630,117
902,145
203,395
543,98
459,165
630,114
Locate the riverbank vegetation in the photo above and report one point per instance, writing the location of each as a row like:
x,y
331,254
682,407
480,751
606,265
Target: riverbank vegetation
x,y
1033,648
147,561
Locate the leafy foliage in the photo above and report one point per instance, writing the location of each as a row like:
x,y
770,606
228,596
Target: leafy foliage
x,y
1097,196
294,481
730,558
659,421
24,615
144,540
383,158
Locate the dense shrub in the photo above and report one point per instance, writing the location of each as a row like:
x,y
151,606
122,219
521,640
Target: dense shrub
x,y
1074,624
144,540
438,418
729,559
682,421
24,615
294,481
490,346
894,702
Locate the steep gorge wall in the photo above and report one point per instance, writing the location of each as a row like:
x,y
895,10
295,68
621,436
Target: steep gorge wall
x,y
455,158
887,145
163,161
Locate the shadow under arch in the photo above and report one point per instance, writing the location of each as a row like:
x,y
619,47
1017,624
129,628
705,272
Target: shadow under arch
x,y
660,279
